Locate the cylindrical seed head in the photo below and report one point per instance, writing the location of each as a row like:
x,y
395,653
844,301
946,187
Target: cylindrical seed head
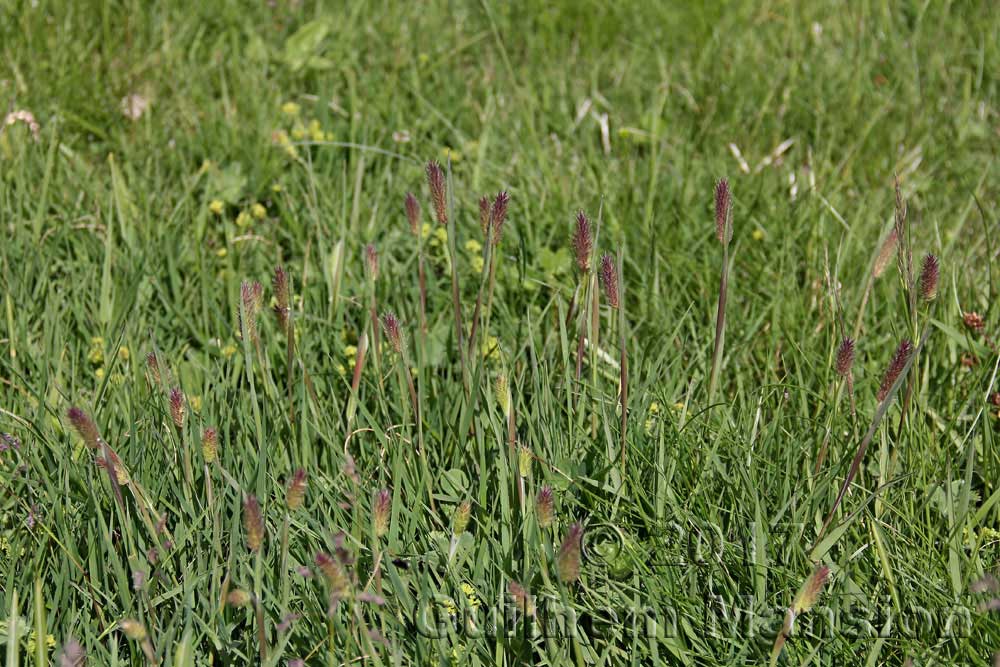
x,y
296,492
393,331
177,408
609,279
335,574
809,593
85,427
524,459
583,242
723,207
460,520
282,297
153,366
381,505
522,599
896,366
133,629
886,253
253,523
929,274
498,215
371,261
568,560
545,507
436,182
412,207
845,357
252,295
503,394
210,444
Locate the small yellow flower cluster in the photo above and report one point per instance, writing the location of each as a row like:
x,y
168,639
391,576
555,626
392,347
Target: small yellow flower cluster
x,y
281,139
470,595
50,642
313,130
448,605
475,250
299,130
256,211
436,237
96,358
448,153
490,348
32,638
651,414
96,353
439,237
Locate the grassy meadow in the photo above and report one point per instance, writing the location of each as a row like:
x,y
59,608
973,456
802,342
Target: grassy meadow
x,y
578,401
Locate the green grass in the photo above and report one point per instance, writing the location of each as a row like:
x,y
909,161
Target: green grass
x,y
111,250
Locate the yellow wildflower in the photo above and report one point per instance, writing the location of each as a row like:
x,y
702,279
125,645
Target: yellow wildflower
x,y
195,403
50,641
470,594
441,234
216,206
654,410
448,605
99,374
221,252
473,246
96,353
298,132
243,219
478,264
276,187
315,130
425,231
290,109
123,353
229,350
450,153
758,235
280,137
490,347
258,211
342,369
350,351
